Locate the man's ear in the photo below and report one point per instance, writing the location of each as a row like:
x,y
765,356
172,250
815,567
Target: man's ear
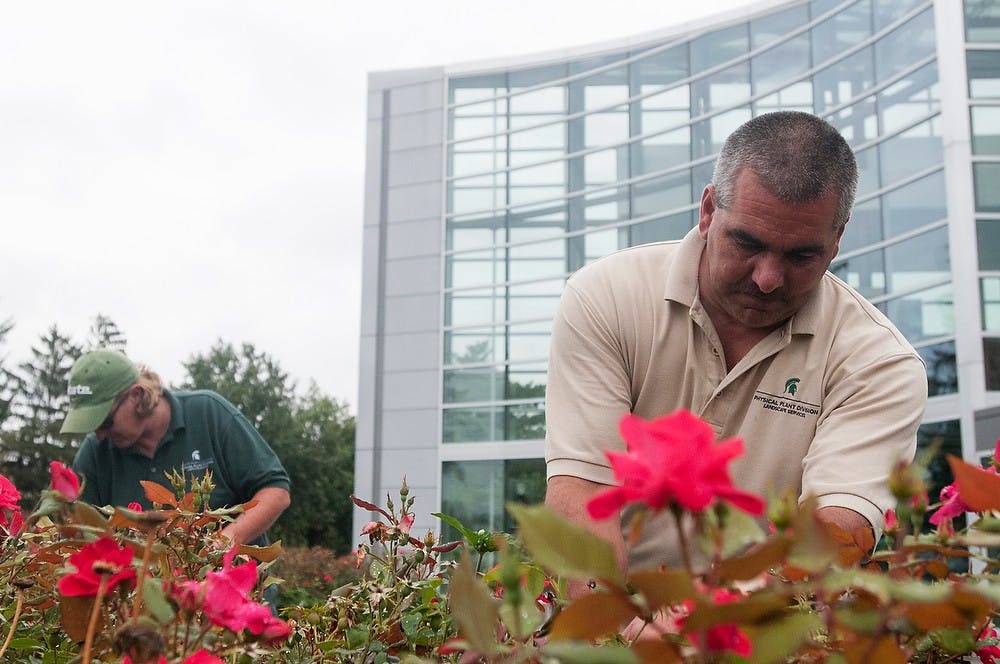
x,y
707,210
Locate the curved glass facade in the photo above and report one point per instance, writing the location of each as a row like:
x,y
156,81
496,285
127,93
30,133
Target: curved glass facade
x,y
549,166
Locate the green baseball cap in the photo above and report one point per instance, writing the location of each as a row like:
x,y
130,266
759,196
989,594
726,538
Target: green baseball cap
x,y
94,381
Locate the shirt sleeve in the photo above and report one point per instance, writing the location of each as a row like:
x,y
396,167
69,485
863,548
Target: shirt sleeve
x,y
248,462
85,464
588,389
869,424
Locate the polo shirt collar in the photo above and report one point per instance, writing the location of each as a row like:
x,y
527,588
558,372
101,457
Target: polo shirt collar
x,y
176,418
682,285
682,275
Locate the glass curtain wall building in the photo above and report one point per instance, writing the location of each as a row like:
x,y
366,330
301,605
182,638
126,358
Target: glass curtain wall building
x,y
488,184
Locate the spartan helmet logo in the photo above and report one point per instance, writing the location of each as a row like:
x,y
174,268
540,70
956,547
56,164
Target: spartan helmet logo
x,y
196,455
792,386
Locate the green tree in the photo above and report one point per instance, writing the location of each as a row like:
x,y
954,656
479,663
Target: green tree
x,y
38,402
105,333
312,435
320,461
252,381
6,378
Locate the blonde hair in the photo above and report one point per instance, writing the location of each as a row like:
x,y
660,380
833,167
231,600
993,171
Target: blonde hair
x,y
151,391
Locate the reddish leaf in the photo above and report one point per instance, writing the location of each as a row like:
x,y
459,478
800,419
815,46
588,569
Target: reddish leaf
x,y
979,489
444,548
371,507
665,588
74,613
883,651
934,615
264,554
758,559
592,616
159,494
655,651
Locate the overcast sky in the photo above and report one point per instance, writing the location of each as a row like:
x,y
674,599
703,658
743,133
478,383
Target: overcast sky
x,y
194,170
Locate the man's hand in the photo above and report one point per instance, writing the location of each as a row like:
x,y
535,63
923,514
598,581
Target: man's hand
x,y
568,496
251,524
856,526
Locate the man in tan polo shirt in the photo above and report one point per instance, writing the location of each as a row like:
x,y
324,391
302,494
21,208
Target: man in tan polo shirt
x,y
741,324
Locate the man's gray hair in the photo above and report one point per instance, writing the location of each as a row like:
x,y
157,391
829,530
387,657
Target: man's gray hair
x,y
797,156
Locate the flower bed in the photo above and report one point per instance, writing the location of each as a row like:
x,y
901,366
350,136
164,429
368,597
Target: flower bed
x,y
119,585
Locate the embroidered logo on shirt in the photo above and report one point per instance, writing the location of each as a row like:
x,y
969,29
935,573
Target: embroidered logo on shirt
x,y
792,386
196,463
781,404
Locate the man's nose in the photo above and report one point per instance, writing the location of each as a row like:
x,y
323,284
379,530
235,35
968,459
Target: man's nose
x,y
769,274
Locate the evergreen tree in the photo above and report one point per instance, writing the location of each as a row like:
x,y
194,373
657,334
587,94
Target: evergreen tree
x,y
6,378
37,407
104,333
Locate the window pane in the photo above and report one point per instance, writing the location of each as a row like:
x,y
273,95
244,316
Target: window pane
x,y
905,45
986,178
982,21
475,345
917,261
991,353
942,373
673,227
844,80
887,11
479,384
985,129
948,438
984,74
857,123
777,66
526,381
841,31
718,47
913,97
914,205
865,226
476,492
868,170
473,307
662,68
914,150
462,425
661,194
529,341
990,289
864,273
988,236
526,421
534,300
923,315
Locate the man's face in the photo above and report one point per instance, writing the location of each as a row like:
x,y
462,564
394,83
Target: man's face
x,y
763,257
121,425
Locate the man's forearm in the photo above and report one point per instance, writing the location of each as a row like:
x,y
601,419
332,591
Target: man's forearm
x,y
251,524
568,496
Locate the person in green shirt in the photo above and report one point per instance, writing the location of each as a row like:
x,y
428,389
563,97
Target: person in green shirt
x,y
140,431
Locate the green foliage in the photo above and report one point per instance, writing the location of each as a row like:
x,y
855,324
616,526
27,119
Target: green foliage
x,y
313,435
309,575
37,405
166,602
